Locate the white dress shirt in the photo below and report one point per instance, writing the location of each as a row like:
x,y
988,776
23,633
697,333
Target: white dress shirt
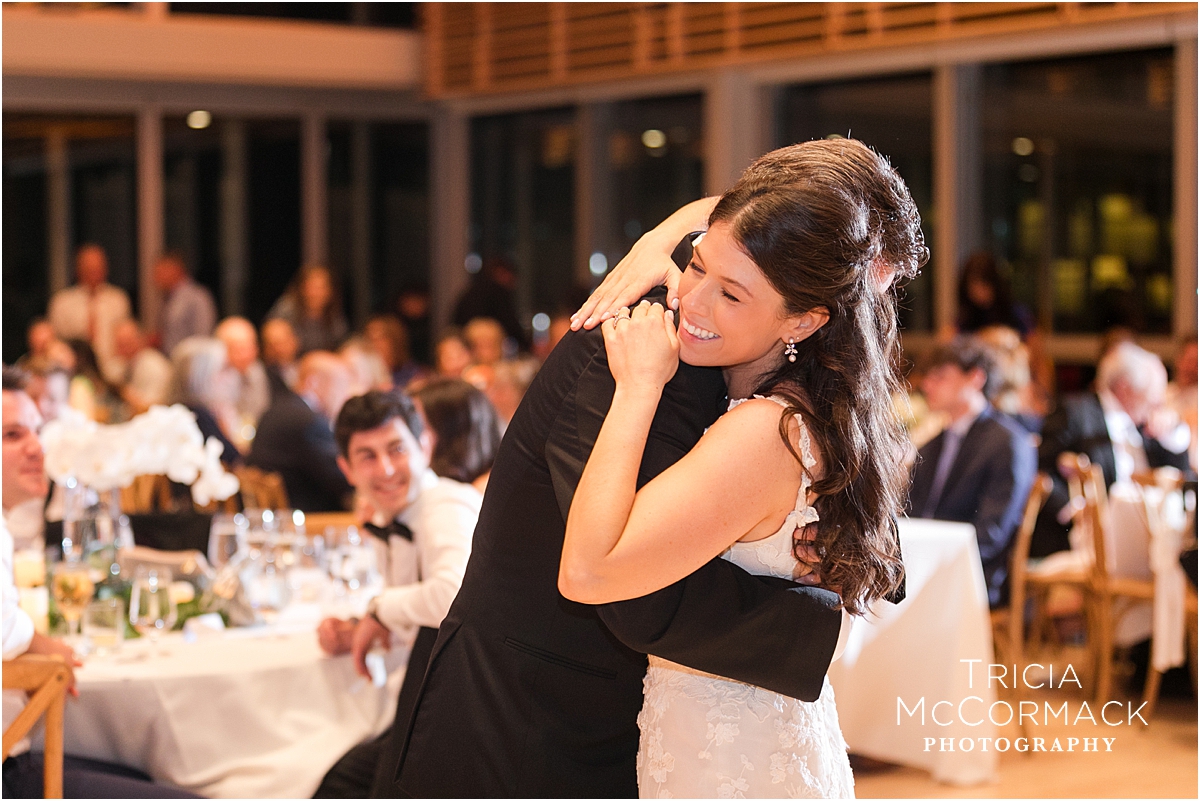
x,y
73,308
1129,453
17,630
424,575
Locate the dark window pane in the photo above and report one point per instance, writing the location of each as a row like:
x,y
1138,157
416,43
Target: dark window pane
x,y
389,15
273,187
894,116
523,203
1078,187
192,199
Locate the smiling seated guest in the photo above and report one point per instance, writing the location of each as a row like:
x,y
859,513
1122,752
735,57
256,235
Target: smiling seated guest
x,y
252,389
25,480
980,468
423,523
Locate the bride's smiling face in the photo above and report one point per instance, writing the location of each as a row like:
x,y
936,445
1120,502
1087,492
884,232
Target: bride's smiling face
x,y
729,314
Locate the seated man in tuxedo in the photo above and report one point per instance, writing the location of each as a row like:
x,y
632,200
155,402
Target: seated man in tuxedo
x,y
980,468
25,480
295,435
1125,426
423,525
529,694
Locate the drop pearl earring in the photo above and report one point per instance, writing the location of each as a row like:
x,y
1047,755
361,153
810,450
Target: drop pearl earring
x,y
789,350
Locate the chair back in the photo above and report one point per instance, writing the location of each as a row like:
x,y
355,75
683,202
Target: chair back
x,y
261,489
147,494
1089,496
1019,569
46,678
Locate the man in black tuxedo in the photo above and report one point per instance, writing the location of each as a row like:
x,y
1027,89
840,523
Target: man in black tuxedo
x,y
980,469
295,435
529,694
1124,426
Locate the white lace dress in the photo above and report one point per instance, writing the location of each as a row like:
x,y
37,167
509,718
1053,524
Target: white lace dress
x,y
704,736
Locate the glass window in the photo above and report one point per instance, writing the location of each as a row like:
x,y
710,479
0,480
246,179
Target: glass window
x,y
894,116
523,206
192,167
273,218
386,15
1078,187
656,160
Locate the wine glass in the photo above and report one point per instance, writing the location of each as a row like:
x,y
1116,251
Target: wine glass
x,y
226,537
72,586
151,608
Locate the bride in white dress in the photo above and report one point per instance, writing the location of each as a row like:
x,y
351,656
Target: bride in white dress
x,y
782,294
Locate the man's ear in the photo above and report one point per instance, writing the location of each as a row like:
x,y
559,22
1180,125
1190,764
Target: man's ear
x,y
803,326
344,466
427,441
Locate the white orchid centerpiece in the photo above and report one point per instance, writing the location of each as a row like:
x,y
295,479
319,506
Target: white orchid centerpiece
x,y
162,441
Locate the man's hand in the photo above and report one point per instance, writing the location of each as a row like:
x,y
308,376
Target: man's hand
x,y
48,646
368,632
335,636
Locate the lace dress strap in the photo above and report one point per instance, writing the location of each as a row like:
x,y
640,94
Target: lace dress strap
x,y
804,514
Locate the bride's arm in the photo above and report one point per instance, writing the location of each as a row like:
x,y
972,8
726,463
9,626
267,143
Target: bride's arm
x,y
647,265
623,544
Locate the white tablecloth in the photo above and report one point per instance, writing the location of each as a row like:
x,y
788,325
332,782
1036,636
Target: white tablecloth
x,y
251,713
913,651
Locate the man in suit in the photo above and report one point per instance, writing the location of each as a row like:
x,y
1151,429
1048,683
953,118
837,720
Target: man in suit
x,y
295,435
1125,426
980,468
423,525
528,694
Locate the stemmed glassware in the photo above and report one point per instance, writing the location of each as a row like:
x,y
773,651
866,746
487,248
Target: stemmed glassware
x,y
72,587
151,608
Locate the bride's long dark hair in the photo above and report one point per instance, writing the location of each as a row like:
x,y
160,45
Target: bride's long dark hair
x,y
819,219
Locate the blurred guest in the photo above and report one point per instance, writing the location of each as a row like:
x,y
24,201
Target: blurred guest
x,y
388,338
187,310
985,298
295,435
509,382
90,392
251,387
1115,336
367,369
451,355
91,309
485,337
980,469
38,337
25,482
49,385
490,295
198,382
314,308
560,324
1125,426
466,430
424,524
1181,393
280,348
146,374
413,307
1015,394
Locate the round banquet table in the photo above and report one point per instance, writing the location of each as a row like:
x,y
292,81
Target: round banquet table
x,y
245,713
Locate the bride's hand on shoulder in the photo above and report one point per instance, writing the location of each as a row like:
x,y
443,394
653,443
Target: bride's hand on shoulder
x,y
642,346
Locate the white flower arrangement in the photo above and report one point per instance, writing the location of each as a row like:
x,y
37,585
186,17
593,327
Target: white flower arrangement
x,y
162,441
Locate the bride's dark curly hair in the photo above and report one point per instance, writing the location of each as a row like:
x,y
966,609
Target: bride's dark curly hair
x,y
821,219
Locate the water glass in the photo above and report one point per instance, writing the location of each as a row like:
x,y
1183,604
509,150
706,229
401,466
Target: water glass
x,y
104,624
226,537
151,607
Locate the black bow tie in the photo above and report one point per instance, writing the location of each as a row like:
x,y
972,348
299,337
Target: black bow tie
x,y
395,527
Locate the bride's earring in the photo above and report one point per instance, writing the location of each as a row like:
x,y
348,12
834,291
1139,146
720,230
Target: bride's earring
x,y
789,350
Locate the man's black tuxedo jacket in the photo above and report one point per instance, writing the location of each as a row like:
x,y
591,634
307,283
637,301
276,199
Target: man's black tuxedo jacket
x,y
1077,426
298,443
529,694
988,485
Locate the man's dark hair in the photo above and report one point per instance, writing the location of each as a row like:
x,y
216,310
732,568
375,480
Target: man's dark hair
x,y
15,379
968,353
372,410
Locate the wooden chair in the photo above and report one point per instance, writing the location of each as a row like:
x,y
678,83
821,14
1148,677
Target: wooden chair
x,y
46,678
147,494
317,522
1008,624
261,489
